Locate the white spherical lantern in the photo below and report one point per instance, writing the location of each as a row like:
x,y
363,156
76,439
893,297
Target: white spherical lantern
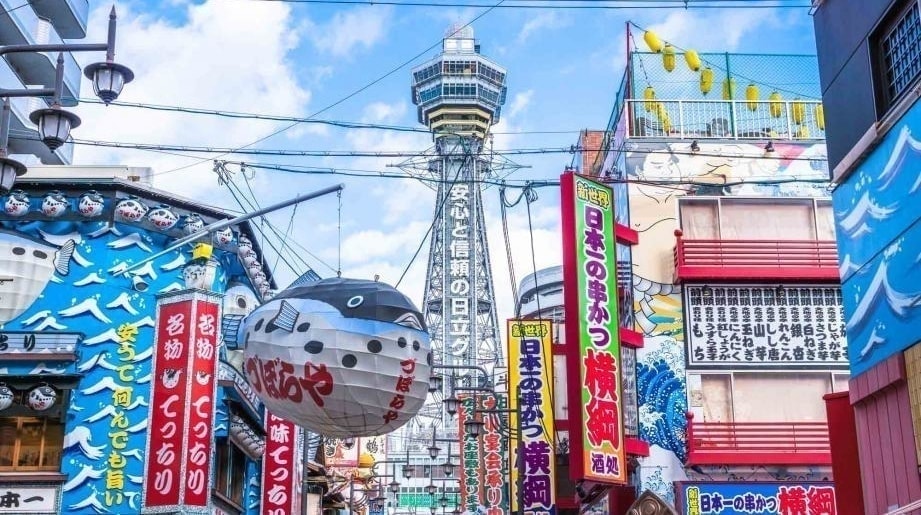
x,y
6,396
340,357
41,397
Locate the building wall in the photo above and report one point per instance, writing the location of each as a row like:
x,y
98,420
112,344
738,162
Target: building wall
x,y
841,29
662,377
63,281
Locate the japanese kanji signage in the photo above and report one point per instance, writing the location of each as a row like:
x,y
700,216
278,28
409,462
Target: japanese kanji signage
x,y
459,296
24,498
494,457
765,326
470,481
48,344
530,368
766,498
282,467
593,358
184,369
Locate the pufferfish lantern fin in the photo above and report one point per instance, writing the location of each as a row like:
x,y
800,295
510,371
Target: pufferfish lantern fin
x,y
284,319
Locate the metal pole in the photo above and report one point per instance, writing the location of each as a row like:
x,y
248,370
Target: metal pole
x,y
5,127
216,226
58,81
110,42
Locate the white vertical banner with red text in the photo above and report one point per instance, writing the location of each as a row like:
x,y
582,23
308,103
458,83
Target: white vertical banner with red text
x,y
282,466
179,453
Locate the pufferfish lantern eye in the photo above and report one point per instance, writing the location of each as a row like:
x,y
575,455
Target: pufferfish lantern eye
x,y
409,320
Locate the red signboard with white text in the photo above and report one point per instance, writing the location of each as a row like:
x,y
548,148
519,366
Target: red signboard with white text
x,y
282,466
163,466
202,382
179,449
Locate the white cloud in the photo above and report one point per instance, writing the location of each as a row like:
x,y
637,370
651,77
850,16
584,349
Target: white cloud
x,y
218,58
347,31
519,103
545,21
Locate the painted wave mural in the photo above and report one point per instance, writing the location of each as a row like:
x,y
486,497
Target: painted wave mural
x,y
877,212
106,424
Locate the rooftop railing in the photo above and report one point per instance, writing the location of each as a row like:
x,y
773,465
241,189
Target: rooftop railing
x,y
726,119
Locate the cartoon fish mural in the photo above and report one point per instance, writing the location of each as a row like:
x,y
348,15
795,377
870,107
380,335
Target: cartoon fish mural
x,y
17,203
341,357
6,396
193,224
42,397
27,264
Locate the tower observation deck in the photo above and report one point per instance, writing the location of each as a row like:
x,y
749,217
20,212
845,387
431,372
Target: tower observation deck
x,y
459,95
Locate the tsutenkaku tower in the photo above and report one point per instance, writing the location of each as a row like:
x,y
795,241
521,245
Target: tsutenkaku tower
x,y
459,95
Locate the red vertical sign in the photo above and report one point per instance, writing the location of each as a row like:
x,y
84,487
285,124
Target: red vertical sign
x,y
202,382
163,466
281,475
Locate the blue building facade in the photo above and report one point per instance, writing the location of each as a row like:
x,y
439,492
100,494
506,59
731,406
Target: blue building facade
x,y
871,77
77,342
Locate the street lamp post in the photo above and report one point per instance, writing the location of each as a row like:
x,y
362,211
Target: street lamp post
x,y
54,123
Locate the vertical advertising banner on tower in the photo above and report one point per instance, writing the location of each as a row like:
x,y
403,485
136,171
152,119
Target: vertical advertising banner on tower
x,y
532,463
281,466
592,333
184,369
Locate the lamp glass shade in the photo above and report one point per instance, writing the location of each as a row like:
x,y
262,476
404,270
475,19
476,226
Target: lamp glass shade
x,y
451,405
9,170
54,125
435,383
431,489
394,487
433,451
407,471
443,501
108,79
473,428
448,469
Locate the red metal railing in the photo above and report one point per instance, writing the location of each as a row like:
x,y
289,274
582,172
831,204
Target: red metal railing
x,y
791,260
758,443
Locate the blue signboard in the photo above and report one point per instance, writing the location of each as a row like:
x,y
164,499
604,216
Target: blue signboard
x,y
877,210
731,498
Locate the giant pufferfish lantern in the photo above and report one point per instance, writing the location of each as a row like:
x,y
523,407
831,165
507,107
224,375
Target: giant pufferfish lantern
x,y
340,357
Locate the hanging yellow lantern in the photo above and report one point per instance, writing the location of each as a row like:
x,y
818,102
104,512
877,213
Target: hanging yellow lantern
x,y
650,95
693,60
652,41
799,111
776,106
751,94
668,57
729,89
802,132
662,114
706,80
820,117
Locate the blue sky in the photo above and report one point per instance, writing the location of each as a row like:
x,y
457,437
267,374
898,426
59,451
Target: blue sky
x,y
564,67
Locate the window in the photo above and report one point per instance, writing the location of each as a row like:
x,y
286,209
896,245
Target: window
x,y
231,471
764,396
30,444
705,218
897,52
32,440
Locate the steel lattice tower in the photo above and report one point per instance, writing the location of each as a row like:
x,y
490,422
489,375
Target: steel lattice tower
x,y
459,95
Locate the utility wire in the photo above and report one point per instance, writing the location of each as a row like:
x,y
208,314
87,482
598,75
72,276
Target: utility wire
x,y
223,151
557,4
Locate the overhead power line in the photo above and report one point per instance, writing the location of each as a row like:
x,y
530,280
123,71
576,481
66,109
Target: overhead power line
x,y
571,4
407,153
